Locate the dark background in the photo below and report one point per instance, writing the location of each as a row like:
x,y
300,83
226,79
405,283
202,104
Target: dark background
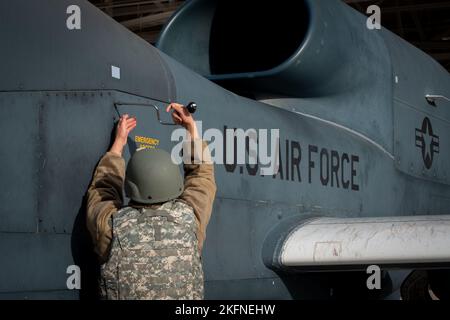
x,y
424,23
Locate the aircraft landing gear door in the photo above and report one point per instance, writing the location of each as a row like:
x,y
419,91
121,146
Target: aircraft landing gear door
x,y
154,129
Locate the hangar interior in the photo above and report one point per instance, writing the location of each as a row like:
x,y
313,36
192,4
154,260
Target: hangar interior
x,y
424,23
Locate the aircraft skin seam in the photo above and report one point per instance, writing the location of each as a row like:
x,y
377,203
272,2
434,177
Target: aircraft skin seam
x,y
430,114
360,135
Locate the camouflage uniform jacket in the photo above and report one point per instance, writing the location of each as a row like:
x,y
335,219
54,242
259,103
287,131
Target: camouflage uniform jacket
x,y
105,199
154,255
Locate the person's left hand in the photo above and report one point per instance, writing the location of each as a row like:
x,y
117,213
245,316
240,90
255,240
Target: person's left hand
x,y
124,127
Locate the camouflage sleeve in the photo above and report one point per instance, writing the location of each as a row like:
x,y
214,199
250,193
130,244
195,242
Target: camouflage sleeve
x,y
104,198
199,186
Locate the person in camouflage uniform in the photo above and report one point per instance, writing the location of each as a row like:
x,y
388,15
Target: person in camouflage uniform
x,y
151,249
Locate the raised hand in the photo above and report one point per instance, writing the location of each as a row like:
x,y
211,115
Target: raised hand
x,y
124,127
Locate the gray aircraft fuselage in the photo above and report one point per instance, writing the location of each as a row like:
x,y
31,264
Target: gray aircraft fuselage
x,y
357,139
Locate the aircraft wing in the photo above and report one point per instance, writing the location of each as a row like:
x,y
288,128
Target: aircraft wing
x,y
352,243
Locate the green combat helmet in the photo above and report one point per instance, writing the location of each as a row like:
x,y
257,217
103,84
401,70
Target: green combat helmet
x,y
152,177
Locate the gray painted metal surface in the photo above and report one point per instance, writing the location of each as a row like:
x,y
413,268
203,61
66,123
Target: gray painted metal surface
x,y
341,114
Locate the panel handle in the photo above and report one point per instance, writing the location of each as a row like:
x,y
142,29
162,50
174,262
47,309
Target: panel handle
x,y
432,98
191,107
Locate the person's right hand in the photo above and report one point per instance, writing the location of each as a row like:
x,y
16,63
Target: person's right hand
x,y
180,115
183,117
